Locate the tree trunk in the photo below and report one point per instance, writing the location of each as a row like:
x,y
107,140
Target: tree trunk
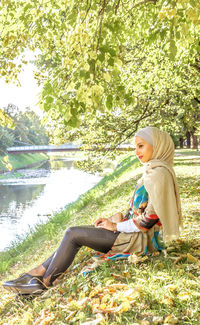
x,y
194,140
188,139
181,142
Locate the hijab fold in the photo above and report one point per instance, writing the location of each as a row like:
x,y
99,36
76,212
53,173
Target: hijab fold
x,y
161,184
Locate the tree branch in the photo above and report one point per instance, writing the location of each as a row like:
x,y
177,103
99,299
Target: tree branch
x,y
101,12
117,6
144,2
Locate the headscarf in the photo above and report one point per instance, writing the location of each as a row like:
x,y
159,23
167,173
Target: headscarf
x,y
161,184
146,134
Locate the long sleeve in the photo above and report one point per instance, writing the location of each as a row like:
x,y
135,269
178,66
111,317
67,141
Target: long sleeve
x,y
147,219
127,226
141,213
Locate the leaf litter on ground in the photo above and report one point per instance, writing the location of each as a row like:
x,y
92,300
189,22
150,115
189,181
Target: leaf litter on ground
x,y
158,289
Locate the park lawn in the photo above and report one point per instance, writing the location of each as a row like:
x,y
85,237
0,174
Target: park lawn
x,y
162,289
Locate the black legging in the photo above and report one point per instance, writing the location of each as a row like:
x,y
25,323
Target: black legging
x,y
98,239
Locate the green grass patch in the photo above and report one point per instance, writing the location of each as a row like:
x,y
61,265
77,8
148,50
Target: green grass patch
x,y
22,160
164,289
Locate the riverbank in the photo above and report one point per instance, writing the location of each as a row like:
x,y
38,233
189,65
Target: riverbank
x,y
163,289
21,161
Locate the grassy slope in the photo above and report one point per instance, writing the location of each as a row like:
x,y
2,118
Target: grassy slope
x,y
163,289
22,160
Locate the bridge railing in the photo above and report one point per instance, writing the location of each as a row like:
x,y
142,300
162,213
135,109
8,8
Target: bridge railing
x,y
62,147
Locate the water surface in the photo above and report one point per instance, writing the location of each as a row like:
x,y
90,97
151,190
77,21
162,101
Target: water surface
x,y
37,194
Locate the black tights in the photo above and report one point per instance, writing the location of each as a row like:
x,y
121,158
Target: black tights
x,y
98,239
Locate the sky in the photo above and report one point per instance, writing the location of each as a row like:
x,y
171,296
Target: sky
x,y
25,96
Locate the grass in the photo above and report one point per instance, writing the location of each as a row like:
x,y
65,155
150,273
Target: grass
x,y
163,289
22,160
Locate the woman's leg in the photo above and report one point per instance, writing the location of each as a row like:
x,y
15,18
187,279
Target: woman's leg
x,y
98,239
43,275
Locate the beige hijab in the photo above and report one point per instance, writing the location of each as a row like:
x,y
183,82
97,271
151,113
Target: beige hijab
x,y
161,184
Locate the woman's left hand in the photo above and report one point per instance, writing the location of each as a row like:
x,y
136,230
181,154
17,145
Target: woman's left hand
x,y
107,224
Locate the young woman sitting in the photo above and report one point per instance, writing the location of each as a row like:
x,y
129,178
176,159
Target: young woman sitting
x,y
155,205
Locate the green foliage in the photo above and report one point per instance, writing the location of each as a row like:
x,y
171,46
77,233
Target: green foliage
x,y
20,161
6,139
28,127
107,67
87,48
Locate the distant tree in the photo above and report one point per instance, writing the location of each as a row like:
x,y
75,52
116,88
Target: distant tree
x,y
29,129
28,126
7,139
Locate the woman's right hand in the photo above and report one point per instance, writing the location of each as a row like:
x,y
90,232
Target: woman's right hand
x,y
99,221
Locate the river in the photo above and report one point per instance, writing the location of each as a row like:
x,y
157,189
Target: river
x,y
37,194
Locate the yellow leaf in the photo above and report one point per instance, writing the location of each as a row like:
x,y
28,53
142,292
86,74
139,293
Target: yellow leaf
x,y
95,291
27,319
144,322
191,258
157,320
124,307
107,77
118,62
168,301
171,319
103,306
98,320
105,298
93,55
127,274
184,295
172,287
86,67
5,158
9,166
133,258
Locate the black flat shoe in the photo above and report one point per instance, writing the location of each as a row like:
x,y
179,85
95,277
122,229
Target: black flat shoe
x,y
26,284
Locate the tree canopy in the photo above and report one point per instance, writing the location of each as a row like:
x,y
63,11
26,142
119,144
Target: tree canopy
x,y
107,65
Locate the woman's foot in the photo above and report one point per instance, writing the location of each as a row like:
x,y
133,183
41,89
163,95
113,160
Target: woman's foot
x,y
26,284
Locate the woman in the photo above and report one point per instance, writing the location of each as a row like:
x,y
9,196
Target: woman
x,y
155,204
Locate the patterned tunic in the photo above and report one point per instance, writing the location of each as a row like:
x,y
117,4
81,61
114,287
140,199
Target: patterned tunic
x,y
141,210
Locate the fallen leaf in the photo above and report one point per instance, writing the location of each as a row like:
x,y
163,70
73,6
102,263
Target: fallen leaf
x,y
171,248
184,295
155,254
98,320
172,287
124,307
168,301
171,320
157,320
160,266
127,274
133,258
165,253
105,298
116,276
118,286
192,259
70,315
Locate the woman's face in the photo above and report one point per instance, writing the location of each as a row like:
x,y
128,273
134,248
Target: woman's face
x,y
144,150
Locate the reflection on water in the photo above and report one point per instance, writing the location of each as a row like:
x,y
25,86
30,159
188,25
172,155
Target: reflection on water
x,y
38,194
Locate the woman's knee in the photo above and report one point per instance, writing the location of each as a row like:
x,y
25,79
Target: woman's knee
x,y
72,232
